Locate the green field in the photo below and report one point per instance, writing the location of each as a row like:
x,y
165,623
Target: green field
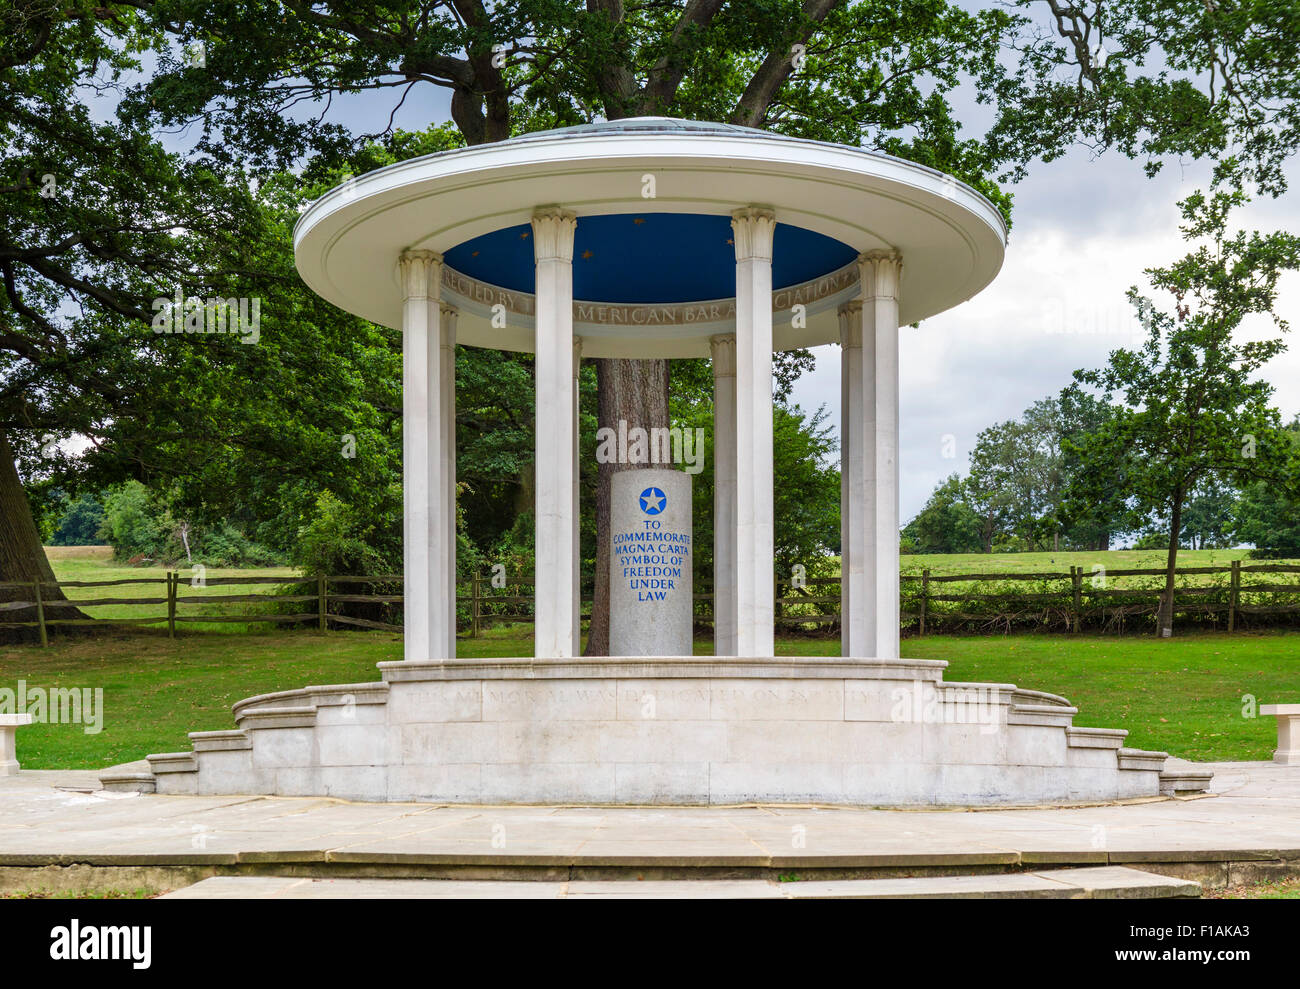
x,y
1115,559
1183,695
93,563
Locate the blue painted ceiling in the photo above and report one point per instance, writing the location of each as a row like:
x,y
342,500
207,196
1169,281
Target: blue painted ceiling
x,y
649,258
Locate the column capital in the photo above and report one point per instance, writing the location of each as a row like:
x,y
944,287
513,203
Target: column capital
x,y
879,273
752,229
577,355
850,314
553,229
421,273
722,348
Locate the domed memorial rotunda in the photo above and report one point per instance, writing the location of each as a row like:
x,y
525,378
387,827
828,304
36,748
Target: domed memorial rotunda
x,y
659,238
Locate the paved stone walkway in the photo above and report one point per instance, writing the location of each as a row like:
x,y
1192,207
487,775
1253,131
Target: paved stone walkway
x,y
49,818
1103,882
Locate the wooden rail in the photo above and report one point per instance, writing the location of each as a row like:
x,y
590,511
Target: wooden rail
x,y
1076,599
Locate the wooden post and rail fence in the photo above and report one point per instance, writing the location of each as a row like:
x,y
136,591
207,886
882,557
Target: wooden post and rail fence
x,y
1065,600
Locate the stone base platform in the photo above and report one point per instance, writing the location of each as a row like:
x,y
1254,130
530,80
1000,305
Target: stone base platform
x,y
669,731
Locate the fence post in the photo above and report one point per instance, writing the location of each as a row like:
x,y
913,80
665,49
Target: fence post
x,y
1076,578
40,613
474,612
925,598
172,581
320,602
1234,595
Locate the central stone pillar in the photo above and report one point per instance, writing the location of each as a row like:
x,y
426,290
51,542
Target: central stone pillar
x,y
651,599
723,349
752,231
556,504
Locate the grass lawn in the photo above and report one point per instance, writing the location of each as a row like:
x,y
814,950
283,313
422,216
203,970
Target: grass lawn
x,y
1181,695
95,563
1115,559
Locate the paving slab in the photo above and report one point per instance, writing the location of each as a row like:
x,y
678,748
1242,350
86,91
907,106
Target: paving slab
x,y
1106,882
53,818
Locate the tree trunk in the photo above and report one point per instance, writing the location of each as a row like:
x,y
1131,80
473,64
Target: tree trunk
x,y
22,557
636,392
1167,602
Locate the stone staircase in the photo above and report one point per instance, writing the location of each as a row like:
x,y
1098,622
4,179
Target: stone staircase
x,y
727,731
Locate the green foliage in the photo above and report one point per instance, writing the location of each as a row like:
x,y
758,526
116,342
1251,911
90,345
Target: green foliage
x,y
947,524
134,524
1192,413
806,497
1152,540
138,522
337,540
1021,472
1171,80
80,523
1268,514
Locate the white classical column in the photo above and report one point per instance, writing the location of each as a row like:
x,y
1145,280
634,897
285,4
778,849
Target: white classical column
x,y
447,422
857,485
577,498
424,591
752,231
556,510
723,350
882,271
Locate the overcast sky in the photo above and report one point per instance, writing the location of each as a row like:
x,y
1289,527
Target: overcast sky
x,y
1083,231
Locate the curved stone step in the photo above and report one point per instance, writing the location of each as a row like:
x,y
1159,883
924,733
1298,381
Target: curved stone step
x,y
1183,782
1095,738
220,741
374,692
172,762
262,718
1141,760
723,730
141,782
1045,715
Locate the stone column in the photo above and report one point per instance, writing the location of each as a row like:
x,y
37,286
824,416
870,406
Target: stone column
x,y
447,527
424,591
577,498
857,486
881,273
556,511
723,349
752,231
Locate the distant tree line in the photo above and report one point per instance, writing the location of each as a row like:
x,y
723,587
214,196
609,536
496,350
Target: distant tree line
x,y
1016,498
1173,444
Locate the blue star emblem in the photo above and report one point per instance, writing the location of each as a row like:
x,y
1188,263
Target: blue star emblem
x,y
653,501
